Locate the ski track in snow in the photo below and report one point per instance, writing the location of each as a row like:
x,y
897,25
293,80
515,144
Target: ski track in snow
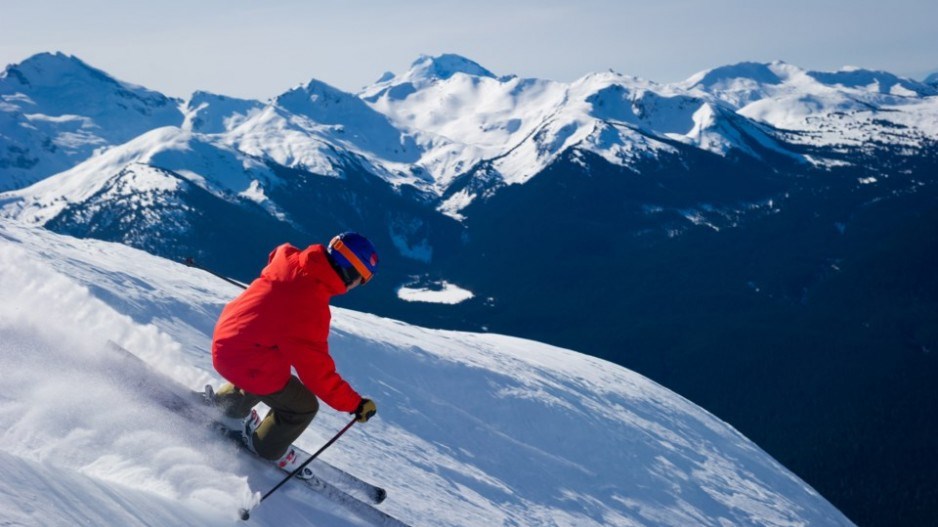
x,y
472,429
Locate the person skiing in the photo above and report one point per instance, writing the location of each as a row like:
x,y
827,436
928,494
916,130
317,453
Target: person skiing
x,y
281,321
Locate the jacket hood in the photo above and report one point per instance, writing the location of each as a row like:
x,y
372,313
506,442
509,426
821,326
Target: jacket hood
x,y
315,262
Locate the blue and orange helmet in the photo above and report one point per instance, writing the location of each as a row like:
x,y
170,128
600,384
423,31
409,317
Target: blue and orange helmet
x,y
354,256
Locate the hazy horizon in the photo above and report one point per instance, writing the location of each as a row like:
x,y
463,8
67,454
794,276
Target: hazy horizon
x,y
248,49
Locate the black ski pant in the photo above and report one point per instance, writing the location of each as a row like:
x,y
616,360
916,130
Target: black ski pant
x,y
292,409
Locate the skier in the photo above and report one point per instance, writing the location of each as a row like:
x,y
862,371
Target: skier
x,y
281,321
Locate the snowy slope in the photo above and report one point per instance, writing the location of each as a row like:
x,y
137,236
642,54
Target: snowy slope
x,y
841,108
159,160
319,129
473,429
56,111
211,113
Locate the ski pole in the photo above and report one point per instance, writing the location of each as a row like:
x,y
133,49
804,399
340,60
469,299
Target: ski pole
x,y
246,514
190,262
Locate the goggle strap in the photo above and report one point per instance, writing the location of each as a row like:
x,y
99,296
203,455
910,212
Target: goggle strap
x,y
353,259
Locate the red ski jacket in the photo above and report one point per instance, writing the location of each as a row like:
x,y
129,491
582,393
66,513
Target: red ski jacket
x,y
282,320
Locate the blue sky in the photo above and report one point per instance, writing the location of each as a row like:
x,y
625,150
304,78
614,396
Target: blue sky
x,y
258,49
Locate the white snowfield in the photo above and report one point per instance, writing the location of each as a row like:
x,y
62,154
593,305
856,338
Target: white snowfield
x,y
472,429
441,293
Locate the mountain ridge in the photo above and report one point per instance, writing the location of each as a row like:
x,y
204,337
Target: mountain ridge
x,y
517,138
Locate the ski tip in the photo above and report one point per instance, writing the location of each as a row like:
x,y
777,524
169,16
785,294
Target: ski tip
x,y
380,495
245,514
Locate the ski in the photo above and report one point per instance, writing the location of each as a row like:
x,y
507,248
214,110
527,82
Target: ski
x,y
343,487
358,507
311,480
323,470
344,480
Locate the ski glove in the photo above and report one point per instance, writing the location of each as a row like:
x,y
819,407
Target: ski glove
x,y
366,410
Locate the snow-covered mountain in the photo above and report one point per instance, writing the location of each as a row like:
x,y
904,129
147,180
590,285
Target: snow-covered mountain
x,y
932,80
473,429
845,108
453,131
210,113
517,127
318,129
56,111
747,82
180,193
199,158
449,128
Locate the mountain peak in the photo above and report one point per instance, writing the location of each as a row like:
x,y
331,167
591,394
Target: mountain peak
x,y
883,82
318,98
424,71
213,113
385,77
350,120
318,86
755,76
770,73
51,69
445,66
932,80
64,84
